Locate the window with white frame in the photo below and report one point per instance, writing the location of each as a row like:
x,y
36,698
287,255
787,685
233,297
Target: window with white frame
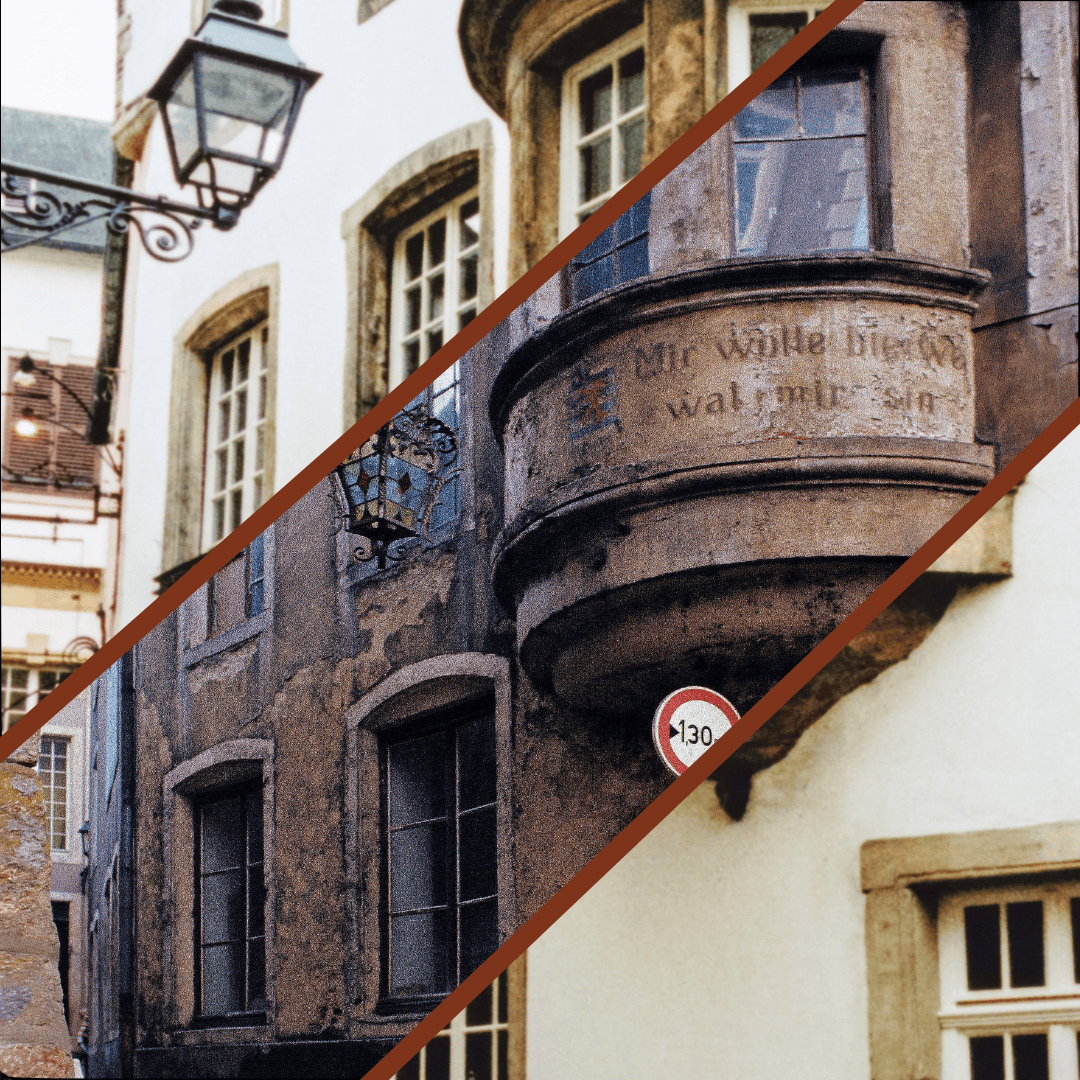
x,y
25,686
53,773
435,282
1010,982
757,30
473,1046
603,127
236,433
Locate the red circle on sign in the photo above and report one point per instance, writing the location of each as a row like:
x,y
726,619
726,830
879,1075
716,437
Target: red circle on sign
x,y
661,728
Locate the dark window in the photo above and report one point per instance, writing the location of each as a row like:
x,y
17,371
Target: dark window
x,y
620,253
61,916
229,907
769,32
238,590
57,455
802,165
441,854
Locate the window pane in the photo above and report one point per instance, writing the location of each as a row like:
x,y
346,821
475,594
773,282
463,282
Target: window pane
x,y
414,256
479,935
1025,927
593,279
478,858
223,834
438,1058
223,421
595,168
412,310
595,101
436,243
418,867
632,144
238,461
223,907
417,779
222,975
1031,1059
504,1011
412,356
221,473
411,1070
468,280
982,937
791,196
219,519
634,260
436,289
465,317
831,105
504,1054
478,1055
435,340
241,410
243,356
237,507
469,218
632,81
256,902
476,763
227,369
771,115
771,32
257,974
418,948
478,1010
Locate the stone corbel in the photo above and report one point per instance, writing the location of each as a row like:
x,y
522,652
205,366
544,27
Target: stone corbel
x,y
983,553
132,126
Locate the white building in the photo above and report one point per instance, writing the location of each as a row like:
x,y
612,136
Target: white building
x,y
55,543
823,934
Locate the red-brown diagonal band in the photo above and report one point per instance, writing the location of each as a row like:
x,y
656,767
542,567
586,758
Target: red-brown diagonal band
x,y
111,651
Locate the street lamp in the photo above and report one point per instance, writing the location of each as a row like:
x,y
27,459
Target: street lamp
x,y
229,101
393,483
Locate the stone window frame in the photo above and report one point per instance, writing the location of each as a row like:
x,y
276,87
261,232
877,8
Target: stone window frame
x,y
903,879
438,683
441,169
231,765
247,300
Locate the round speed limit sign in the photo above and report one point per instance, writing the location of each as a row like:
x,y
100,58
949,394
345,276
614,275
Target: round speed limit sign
x,y
688,722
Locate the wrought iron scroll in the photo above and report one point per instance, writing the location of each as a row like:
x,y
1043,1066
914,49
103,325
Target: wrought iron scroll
x,y
32,213
394,484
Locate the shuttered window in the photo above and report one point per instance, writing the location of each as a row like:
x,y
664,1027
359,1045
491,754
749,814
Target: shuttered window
x,y
57,457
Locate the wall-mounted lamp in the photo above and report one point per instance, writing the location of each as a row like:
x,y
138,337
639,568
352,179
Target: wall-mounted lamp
x,y
229,101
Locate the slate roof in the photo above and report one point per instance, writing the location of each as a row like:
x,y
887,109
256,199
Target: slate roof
x,y
65,144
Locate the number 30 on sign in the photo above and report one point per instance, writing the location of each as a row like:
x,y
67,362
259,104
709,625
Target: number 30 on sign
x,y
688,722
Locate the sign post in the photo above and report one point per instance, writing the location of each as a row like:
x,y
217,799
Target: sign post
x,y
688,722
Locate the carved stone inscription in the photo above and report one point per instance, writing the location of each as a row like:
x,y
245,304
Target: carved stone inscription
x,y
745,374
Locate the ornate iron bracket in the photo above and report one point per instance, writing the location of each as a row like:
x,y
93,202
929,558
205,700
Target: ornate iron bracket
x,y
166,234
394,483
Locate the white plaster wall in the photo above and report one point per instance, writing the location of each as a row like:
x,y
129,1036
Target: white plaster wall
x,y
389,85
736,950
50,293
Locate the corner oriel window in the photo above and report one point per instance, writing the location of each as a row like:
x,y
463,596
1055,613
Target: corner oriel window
x,y
235,433
1010,982
229,908
603,127
802,165
435,283
441,855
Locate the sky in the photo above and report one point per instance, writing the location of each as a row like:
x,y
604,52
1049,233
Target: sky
x,y
59,56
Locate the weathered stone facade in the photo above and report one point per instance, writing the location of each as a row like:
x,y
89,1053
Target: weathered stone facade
x,y
34,1039
689,477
